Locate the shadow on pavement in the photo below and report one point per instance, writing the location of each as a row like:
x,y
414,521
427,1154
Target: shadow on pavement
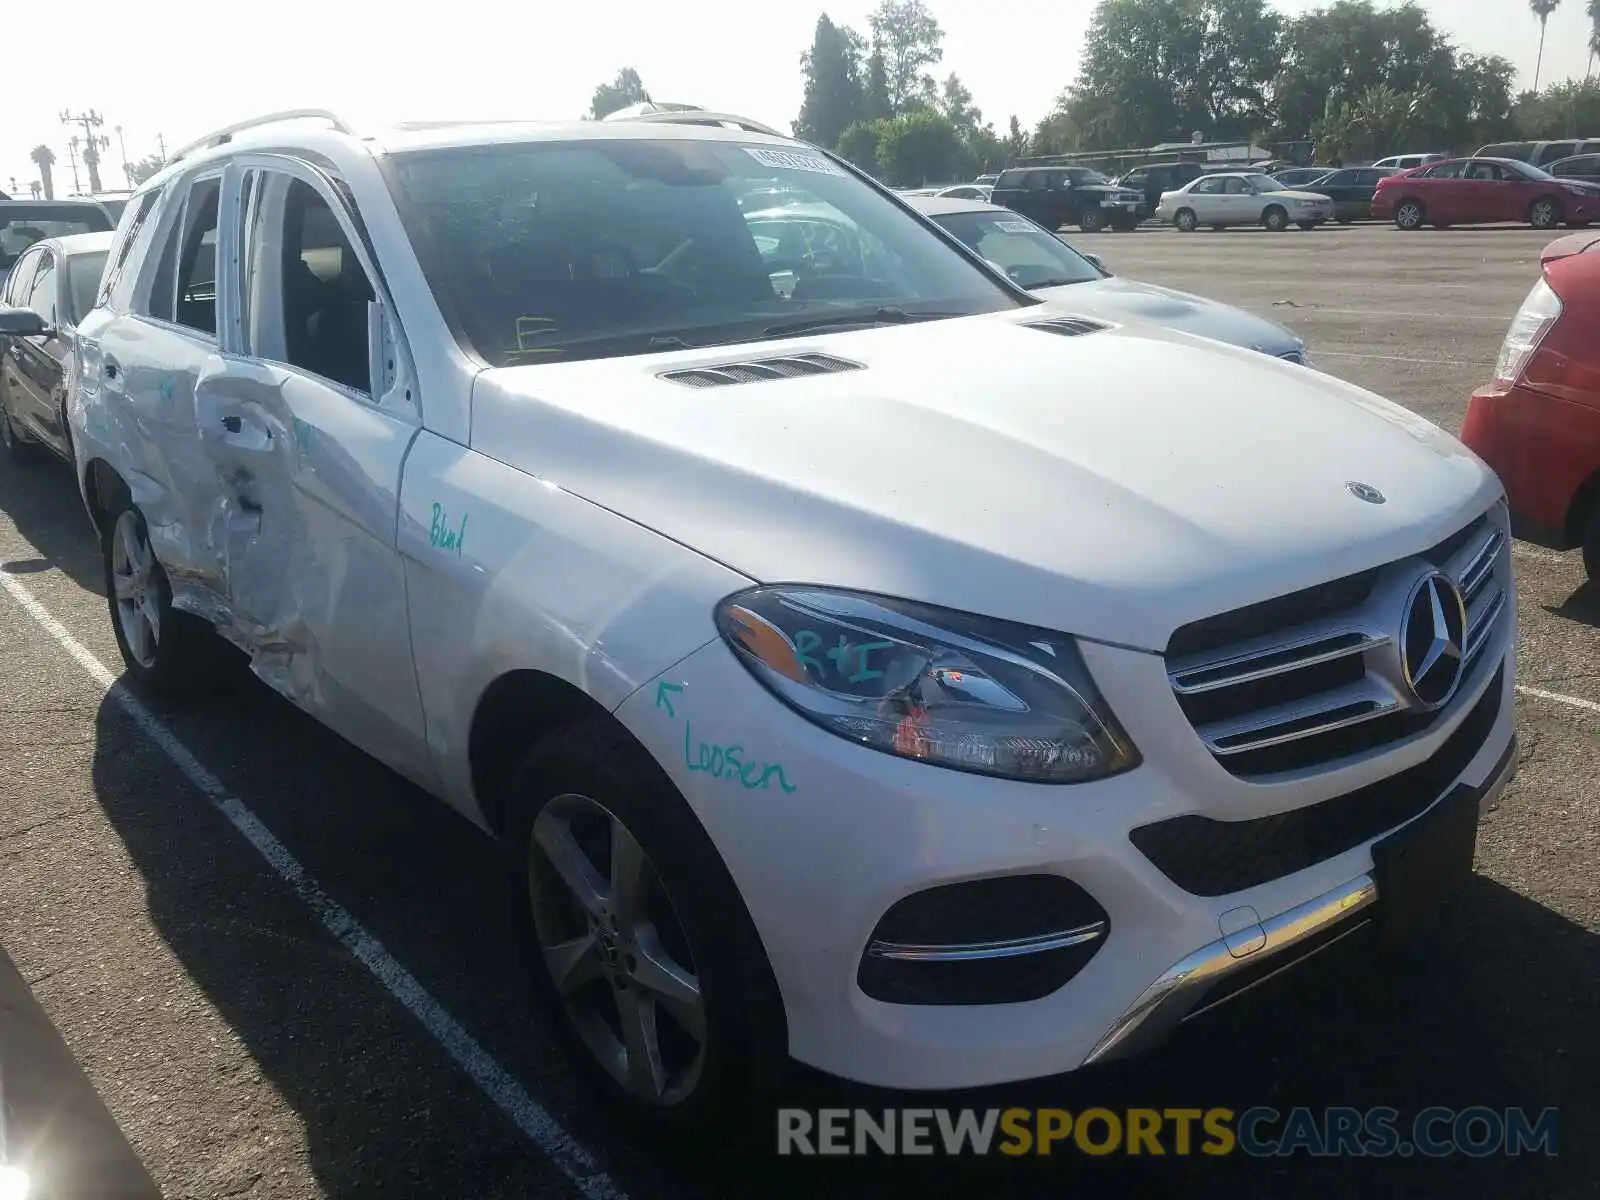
x,y
42,500
1582,606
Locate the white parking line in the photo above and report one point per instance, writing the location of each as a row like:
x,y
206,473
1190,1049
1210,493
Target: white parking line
x,y
1558,698
543,1130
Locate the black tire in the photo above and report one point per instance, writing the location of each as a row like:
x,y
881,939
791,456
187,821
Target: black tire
x,y
187,659
1546,213
1275,219
1185,220
1307,224
14,446
1091,220
744,1055
1344,220
1591,545
1410,215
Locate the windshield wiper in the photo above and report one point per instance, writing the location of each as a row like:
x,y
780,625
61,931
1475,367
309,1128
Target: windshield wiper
x,y
887,315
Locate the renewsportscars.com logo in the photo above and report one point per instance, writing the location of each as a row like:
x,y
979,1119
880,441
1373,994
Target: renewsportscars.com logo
x,y
1478,1132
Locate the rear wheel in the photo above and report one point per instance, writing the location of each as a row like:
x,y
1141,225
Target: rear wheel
x,y
639,944
1092,221
1275,219
1545,213
1186,220
168,653
1591,545
1410,215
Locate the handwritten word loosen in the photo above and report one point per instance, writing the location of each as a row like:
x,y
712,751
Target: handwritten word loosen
x,y
727,762
442,535
722,762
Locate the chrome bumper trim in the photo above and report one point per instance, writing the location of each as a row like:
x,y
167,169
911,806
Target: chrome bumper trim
x,y
978,951
1181,990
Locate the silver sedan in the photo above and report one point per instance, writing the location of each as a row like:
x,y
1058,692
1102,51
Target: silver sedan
x,y
1038,260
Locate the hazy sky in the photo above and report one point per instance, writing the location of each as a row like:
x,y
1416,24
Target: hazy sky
x,y
183,67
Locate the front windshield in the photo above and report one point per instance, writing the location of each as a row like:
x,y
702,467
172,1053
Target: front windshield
x,y
1032,256
559,251
1081,176
1265,183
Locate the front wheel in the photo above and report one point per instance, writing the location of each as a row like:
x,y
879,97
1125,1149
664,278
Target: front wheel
x,y
1409,216
1591,546
1545,213
1275,219
168,653
1185,220
639,943
1092,221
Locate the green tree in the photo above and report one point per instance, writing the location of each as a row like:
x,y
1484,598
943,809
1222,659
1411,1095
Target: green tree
x,y
1594,34
955,102
917,147
1563,110
1541,9
835,96
859,144
1156,70
907,39
624,90
1016,143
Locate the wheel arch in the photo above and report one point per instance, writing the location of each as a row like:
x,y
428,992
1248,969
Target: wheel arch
x,y
514,710
101,487
1585,503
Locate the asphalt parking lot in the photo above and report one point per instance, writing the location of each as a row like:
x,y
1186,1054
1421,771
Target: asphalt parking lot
x,y
288,973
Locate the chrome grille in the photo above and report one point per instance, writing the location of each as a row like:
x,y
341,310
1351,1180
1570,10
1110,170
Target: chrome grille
x,y
1312,678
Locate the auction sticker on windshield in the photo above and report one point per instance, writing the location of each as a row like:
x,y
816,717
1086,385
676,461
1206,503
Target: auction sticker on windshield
x,y
793,162
1014,226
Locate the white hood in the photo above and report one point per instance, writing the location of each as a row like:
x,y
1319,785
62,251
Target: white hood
x,y
1118,299
1113,485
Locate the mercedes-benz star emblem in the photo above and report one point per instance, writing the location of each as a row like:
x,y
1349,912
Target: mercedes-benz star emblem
x,y
1365,491
1432,640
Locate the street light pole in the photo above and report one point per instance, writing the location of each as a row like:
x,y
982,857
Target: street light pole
x,y
72,147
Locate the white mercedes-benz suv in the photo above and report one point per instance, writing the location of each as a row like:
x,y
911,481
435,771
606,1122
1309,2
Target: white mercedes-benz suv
x,y
863,662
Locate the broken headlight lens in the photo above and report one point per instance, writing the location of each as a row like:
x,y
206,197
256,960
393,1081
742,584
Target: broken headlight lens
x,y
926,683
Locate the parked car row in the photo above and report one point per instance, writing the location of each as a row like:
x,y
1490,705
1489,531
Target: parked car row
x,y
599,481
1470,191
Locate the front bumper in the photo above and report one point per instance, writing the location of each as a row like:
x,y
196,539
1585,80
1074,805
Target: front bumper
x,y
1254,950
841,834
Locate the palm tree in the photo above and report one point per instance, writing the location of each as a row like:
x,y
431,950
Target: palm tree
x,y
1541,9
1594,33
44,158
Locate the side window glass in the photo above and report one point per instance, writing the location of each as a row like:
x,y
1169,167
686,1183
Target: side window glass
x,y
197,262
42,294
1208,187
21,276
127,235
307,293
1235,187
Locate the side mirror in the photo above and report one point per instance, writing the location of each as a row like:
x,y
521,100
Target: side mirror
x,y
1097,263
22,322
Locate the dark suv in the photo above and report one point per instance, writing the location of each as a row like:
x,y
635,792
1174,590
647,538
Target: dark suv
x,y
1152,179
1057,196
24,222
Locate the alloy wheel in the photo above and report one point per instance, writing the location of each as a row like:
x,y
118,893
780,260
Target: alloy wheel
x,y
1544,215
1409,216
615,950
134,587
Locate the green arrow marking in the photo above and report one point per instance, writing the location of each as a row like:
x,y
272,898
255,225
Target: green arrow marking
x,y
664,692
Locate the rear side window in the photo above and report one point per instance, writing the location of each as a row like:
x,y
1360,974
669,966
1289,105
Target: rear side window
x,y
185,287
1555,150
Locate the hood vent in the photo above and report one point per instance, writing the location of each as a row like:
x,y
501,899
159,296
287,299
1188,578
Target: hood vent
x,y
1069,326
790,366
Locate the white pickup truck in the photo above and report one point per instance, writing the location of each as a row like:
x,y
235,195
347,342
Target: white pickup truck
x,y
883,670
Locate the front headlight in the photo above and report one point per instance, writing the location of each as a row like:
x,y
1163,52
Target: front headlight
x,y
926,683
1538,313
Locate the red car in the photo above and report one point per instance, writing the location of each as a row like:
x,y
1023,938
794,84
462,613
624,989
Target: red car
x,y
1538,423
1472,191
